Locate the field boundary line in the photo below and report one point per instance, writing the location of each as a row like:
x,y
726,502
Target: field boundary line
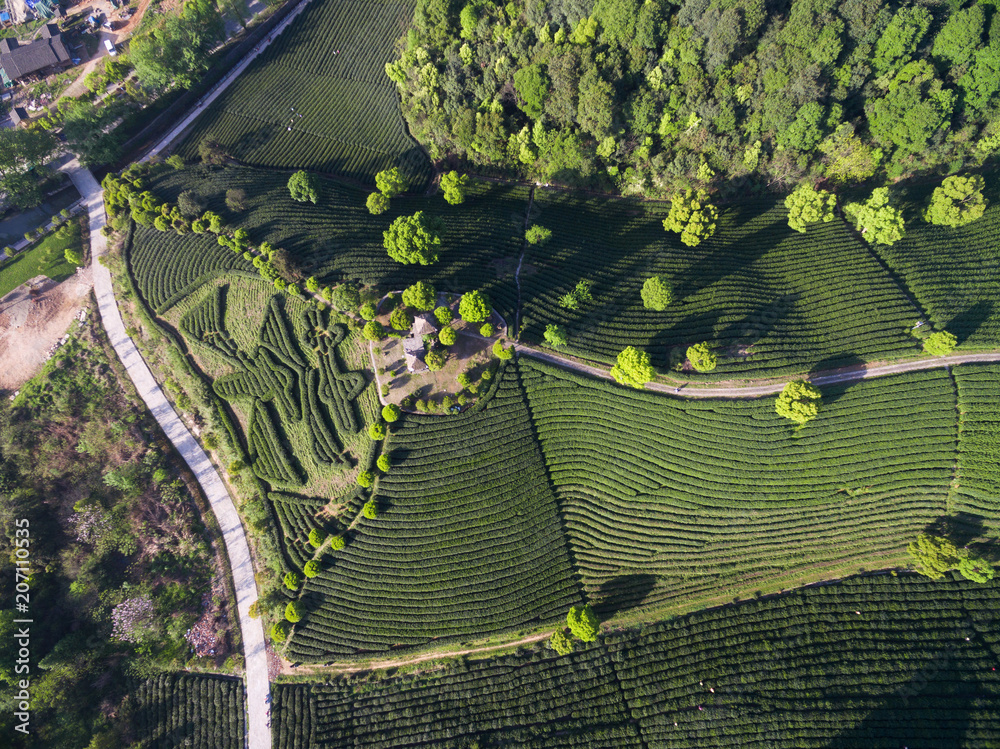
x,y
258,735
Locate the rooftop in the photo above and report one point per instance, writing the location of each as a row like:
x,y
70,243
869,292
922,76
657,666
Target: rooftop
x,y
18,61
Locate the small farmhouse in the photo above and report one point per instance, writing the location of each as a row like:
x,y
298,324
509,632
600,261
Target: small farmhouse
x,y
40,57
413,352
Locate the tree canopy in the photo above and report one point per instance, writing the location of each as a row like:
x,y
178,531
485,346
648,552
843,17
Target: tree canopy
x,y
940,343
556,335
633,368
421,296
878,220
453,186
583,622
390,182
474,306
692,216
702,358
303,187
22,154
957,202
414,239
799,401
934,556
657,293
807,205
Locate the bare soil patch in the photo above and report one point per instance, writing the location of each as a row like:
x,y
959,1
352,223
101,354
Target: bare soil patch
x,y
33,319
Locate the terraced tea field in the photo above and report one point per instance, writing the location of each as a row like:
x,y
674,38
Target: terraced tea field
x,y
872,662
768,299
467,543
318,97
979,426
676,502
191,710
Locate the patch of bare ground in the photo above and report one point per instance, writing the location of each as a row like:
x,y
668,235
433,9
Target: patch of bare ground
x,y
33,319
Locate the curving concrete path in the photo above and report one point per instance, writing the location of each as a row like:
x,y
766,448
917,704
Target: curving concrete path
x,y
258,686
831,377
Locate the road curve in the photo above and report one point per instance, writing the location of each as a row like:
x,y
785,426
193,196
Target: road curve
x,y
258,687
830,377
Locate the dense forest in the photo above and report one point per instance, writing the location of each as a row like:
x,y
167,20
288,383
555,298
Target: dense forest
x,y
648,96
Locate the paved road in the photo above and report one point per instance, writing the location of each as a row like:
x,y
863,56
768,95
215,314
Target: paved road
x,y
258,687
849,374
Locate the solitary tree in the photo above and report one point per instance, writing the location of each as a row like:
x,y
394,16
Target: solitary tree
x,y
633,368
503,354
434,360
583,622
877,219
657,294
292,580
798,401
934,556
383,463
377,203
365,479
421,296
413,239
538,235
294,611
692,216
702,358
72,256
304,186
373,330
368,311
561,643
447,336
474,307
279,631
401,319
391,413
311,568
454,185
444,315
370,510
390,182
941,343
556,335
807,205
316,537
336,543
957,202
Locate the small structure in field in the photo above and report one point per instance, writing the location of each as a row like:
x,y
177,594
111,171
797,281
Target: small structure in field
x,y
422,325
413,353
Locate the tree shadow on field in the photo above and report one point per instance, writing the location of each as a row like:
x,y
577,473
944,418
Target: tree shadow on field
x,y
252,139
622,593
757,324
850,365
961,528
696,327
965,324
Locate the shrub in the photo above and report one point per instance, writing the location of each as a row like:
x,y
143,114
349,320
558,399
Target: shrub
x,y
657,294
502,353
401,319
311,568
316,537
391,412
474,307
373,331
434,360
383,463
583,622
561,643
294,611
633,368
486,330
377,431
279,631
370,510
292,580
337,543
702,358
447,336
366,479
556,335
940,343
444,315
368,311
798,401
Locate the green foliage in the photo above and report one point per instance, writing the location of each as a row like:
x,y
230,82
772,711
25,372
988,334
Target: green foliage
x,y
377,203
692,216
447,336
292,580
365,479
73,256
390,182
414,239
474,306
960,36
316,537
913,110
957,202
311,568
798,401
370,510
279,631
579,296
444,315
373,331
896,46
633,368
532,84
538,235
934,556
336,543
657,293
401,319
303,186
421,296
807,205
454,186
383,463
702,358
377,431
940,343
175,161
583,622
503,354
368,311
878,220
556,335
294,611
22,154
559,642
434,360
391,413
486,330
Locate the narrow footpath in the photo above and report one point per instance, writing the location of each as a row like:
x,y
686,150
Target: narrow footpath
x,y
258,687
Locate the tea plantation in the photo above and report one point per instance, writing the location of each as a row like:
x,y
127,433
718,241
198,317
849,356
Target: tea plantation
x,y
318,97
875,661
191,710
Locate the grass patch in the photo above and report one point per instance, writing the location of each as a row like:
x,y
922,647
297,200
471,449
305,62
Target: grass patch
x,y
46,258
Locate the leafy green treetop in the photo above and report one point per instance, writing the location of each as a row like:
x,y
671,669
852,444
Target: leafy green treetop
x,y
502,353
474,307
538,235
390,182
702,358
421,296
391,413
633,368
377,203
294,611
692,216
377,431
556,335
292,580
454,185
373,330
877,219
370,510
798,401
957,202
941,343
414,239
583,622
561,643
434,360
401,319
934,556
447,336
657,294
304,187
807,205
311,568
443,315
